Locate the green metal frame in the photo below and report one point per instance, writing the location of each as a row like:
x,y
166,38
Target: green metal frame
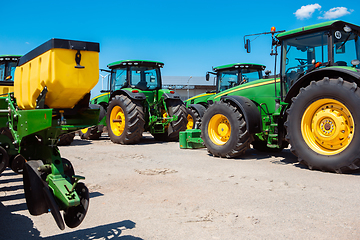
x,y
35,135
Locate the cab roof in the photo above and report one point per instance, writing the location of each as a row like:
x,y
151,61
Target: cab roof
x,y
135,63
9,57
240,65
335,24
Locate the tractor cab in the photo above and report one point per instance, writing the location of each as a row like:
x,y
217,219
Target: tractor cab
x,y
139,74
7,69
231,75
333,44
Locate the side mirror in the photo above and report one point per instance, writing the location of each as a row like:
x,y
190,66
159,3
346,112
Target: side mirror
x,y
207,77
247,46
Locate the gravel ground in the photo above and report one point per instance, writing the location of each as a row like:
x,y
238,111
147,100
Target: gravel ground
x,y
155,190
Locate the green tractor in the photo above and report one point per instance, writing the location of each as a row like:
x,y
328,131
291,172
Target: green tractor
x,y
7,69
312,105
136,103
227,76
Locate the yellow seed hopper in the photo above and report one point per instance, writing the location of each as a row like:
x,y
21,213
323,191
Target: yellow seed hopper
x,y
67,69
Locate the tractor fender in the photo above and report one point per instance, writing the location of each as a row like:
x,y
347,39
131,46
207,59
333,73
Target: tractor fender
x,y
140,96
102,110
319,74
250,111
167,96
200,109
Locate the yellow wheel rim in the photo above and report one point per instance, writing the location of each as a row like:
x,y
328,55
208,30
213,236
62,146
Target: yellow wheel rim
x,y
190,123
327,126
117,120
84,130
165,116
219,129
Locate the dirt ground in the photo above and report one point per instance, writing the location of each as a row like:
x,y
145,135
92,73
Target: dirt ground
x,y
155,190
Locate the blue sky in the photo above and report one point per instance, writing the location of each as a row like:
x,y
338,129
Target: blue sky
x,y
188,36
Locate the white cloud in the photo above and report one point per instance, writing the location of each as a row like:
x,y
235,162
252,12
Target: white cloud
x,y
306,11
336,12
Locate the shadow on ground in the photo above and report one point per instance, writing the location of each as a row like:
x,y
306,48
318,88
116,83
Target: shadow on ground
x,y
145,140
17,226
284,157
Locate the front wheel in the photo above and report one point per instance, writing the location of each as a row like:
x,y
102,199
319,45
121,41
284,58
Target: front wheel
x,y
224,131
195,113
323,125
125,120
191,122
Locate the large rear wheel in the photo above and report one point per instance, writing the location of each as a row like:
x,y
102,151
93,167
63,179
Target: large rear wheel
x,y
323,125
224,132
125,120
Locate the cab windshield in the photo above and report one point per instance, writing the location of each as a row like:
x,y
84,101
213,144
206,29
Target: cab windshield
x,y
232,78
346,48
7,70
227,79
145,78
118,79
300,53
249,75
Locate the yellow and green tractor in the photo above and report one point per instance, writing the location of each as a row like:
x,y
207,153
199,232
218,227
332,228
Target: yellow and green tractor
x,y
136,102
312,104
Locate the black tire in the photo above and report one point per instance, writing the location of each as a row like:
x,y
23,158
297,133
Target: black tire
x,y
91,133
128,130
191,120
84,133
196,114
175,108
4,159
33,188
236,141
66,139
340,101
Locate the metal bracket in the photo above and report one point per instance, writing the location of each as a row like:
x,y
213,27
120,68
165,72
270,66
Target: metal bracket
x,y
40,101
78,59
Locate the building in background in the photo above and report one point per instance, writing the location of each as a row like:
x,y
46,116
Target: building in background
x,y
188,86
